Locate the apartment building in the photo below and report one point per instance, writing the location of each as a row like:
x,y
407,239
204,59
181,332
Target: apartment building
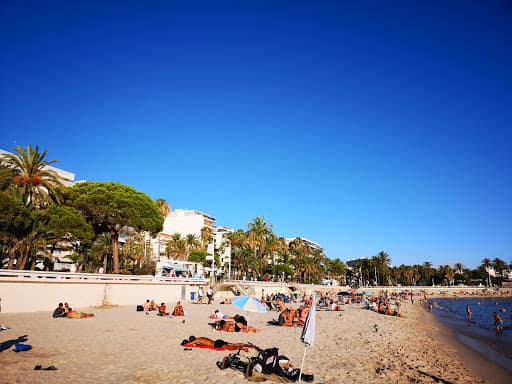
x,y
184,222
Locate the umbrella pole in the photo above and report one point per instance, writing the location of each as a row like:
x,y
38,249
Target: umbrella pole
x,y
302,365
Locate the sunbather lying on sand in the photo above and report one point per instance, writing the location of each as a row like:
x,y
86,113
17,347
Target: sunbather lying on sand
x,y
205,342
78,315
237,324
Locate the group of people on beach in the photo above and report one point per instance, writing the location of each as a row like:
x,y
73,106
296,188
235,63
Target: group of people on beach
x,y
150,305
498,320
386,303
64,310
236,323
200,295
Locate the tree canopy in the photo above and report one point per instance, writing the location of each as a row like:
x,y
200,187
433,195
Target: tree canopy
x,y
113,207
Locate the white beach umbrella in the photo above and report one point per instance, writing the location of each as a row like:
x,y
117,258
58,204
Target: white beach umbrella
x,y
308,333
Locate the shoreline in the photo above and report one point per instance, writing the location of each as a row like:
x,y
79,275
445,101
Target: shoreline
x,y
488,370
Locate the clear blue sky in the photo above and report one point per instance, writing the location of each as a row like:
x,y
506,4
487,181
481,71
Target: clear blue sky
x,y
361,125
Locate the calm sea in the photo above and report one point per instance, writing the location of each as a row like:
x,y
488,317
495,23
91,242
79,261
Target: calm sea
x,y
479,333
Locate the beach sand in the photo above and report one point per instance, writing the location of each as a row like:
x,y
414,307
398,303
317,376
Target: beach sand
x,y
120,345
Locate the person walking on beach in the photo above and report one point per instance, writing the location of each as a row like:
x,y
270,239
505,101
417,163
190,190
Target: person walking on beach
x,y
498,322
200,295
209,294
469,312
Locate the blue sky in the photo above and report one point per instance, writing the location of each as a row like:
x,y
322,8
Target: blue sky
x,y
363,126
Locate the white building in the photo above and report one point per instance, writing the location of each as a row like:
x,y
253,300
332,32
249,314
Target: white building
x,y
310,243
223,247
180,221
191,222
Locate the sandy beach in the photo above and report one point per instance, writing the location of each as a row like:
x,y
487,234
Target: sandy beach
x,y
120,345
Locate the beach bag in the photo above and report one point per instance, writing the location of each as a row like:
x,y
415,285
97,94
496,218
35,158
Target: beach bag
x,y
269,357
140,308
19,347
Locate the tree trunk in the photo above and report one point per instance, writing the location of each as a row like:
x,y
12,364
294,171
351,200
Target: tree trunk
x,y
115,251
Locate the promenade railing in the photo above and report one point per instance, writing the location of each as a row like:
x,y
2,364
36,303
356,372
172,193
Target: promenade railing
x,y
8,274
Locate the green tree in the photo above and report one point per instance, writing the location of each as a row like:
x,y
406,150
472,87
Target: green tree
x,y
259,232
239,252
6,177
192,242
133,250
177,248
163,207
301,258
17,223
487,264
198,256
64,228
426,272
36,183
383,261
206,236
112,208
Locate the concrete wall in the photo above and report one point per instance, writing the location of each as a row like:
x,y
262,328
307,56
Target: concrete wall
x,y
30,296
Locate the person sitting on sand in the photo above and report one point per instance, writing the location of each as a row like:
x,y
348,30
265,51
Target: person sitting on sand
x,y
217,344
146,306
66,307
178,310
391,311
153,306
78,315
59,311
288,317
162,310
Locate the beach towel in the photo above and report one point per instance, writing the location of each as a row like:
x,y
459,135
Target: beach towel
x,y
206,347
218,345
19,347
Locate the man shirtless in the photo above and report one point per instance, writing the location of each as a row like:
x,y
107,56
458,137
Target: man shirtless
x,y
216,344
498,322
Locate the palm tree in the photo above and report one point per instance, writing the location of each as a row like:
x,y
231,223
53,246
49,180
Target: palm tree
x,y
192,242
487,264
258,234
163,207
459,267
301,257
37,184
206,236
426,269
176,247
449,274
237,239
383,260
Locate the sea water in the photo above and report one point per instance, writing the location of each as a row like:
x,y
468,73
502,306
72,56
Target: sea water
x,y
479,333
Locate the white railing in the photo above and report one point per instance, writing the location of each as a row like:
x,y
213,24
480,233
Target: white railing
x,y
59,276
